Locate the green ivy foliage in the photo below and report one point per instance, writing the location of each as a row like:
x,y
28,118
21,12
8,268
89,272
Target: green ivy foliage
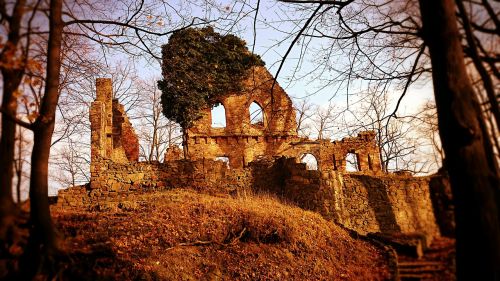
x,y
199,67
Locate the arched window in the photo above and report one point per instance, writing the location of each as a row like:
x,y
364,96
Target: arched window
x,y
351,162
218,116
310,161
256,114
224,159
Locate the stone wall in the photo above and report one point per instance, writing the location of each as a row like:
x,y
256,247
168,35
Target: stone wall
x,y
387,204
241,150
262,158
112,181
364,203
278,112
243,142
112,135
113,138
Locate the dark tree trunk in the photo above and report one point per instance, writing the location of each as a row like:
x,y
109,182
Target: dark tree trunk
x,y
12,77
474,177
43,239
185,146
19,166
7,141
7,144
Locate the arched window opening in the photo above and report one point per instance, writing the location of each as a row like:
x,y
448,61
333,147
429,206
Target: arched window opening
x,y
310,161
256,114
218,116
351,162
224,159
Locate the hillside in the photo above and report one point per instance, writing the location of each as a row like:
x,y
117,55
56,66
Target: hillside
x,y
185,235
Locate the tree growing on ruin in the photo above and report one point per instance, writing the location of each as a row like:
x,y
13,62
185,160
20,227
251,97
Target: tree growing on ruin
x,y
199,67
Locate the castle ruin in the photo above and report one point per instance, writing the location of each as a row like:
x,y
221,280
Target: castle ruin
x,y
243,142
262,157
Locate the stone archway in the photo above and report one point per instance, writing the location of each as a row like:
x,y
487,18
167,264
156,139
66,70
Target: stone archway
x,y
310,160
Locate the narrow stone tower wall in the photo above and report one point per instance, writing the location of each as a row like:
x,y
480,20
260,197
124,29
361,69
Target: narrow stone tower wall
x,y
112,135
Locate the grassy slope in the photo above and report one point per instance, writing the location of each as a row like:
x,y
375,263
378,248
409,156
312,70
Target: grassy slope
x,y
184,235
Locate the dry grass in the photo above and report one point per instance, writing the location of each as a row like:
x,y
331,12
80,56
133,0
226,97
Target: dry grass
x,y
184,235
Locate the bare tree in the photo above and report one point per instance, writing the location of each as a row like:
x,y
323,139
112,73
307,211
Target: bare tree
x,y
398,139
72,164
384,43
13,61
304,110
323,121
134,27
428,130
156,132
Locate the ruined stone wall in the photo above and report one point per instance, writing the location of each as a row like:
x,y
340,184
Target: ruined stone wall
x,y
242,150
118,181
262,158
387,204
112,135
364,203
331,155
243,142
364,146
309,189
279,115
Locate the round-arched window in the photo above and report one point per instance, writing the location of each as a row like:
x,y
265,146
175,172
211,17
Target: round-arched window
x,y
310,161
256,114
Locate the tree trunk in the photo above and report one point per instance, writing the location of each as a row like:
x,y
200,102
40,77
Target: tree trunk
x,y
474,178
43,240
19,168
185,147
12,77
7,144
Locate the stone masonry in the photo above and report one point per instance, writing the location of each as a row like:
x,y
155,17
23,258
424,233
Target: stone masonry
x,y
243,142
262,158
112,135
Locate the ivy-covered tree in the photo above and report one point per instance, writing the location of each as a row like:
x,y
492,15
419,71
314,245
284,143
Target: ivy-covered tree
x,y
199,67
